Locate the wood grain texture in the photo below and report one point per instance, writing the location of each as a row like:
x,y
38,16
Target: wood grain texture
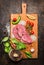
x,y
14,6
35,29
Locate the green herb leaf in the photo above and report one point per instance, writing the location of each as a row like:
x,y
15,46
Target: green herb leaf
x,y
28,54
5,39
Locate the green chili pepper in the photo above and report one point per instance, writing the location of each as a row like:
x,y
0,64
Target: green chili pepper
x,y
17,21
28,54
7,49
21,46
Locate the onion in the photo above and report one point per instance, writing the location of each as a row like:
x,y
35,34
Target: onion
x,y
33,37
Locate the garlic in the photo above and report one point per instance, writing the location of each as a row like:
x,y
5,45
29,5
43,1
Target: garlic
x,y
15,55
32,50
22,22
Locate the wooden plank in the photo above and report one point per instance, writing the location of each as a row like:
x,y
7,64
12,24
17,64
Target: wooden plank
x,y
35,28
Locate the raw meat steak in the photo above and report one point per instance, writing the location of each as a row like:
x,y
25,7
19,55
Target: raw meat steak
x,y
20,33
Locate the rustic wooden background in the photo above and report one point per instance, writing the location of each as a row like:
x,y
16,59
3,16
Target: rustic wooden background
x,y
14,6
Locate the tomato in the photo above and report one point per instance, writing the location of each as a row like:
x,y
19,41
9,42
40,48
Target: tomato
x,y
32,24
28,21
31,32
14,19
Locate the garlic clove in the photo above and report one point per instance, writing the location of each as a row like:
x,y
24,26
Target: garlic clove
x,y
32,50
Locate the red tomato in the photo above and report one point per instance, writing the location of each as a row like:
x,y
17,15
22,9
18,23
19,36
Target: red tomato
x,y
32,24
14,19
28,22
31,32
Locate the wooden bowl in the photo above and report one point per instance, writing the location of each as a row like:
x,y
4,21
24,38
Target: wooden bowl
x,y
15,55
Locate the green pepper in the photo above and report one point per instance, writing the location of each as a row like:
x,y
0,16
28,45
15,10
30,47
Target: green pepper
x,y
17,21
28,54
6,44
5,39
7,49
21,46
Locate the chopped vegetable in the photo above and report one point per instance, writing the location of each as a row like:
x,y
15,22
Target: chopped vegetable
x,y
17,21
31,17
28,54
7,49
5,39
6,44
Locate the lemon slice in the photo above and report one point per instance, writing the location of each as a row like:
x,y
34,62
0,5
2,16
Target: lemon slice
x,y
31,17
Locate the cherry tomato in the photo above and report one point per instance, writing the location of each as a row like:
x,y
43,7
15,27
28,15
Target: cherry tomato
x,y
28,21
32,24
14,19
31,32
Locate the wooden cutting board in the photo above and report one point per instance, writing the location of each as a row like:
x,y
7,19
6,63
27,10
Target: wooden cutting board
x,y
35,28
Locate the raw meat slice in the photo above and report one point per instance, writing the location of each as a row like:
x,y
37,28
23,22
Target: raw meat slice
x,y
26,38
20,33
15,33
21,30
